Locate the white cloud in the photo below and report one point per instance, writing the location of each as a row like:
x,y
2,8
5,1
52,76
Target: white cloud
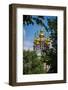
x,y
31,49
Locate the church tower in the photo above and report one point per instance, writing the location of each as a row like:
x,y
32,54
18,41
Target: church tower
x,y
41,43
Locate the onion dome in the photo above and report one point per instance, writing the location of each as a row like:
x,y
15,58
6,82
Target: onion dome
x,y
37,41
47,40
42,39
41,35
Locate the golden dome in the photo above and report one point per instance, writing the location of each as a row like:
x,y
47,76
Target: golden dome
x,y
47,40
41,34
37,41
42,39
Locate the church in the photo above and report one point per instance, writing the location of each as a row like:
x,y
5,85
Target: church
x,y
41,43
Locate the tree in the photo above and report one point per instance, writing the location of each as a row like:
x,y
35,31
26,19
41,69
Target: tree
x,y
31,63
39,20
52,23
27,62
50,56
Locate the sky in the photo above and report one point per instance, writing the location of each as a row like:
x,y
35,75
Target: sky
x,y
29,33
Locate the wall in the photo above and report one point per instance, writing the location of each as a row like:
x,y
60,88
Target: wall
x,y
4,44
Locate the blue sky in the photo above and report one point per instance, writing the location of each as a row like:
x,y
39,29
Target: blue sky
x,y
29,33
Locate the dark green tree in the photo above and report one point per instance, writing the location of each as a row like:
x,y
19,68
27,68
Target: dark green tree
x,y
39,20
27,62
52,53
32,65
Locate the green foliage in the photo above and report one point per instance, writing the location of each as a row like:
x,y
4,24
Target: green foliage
x,y
52,53
39,20
32,65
